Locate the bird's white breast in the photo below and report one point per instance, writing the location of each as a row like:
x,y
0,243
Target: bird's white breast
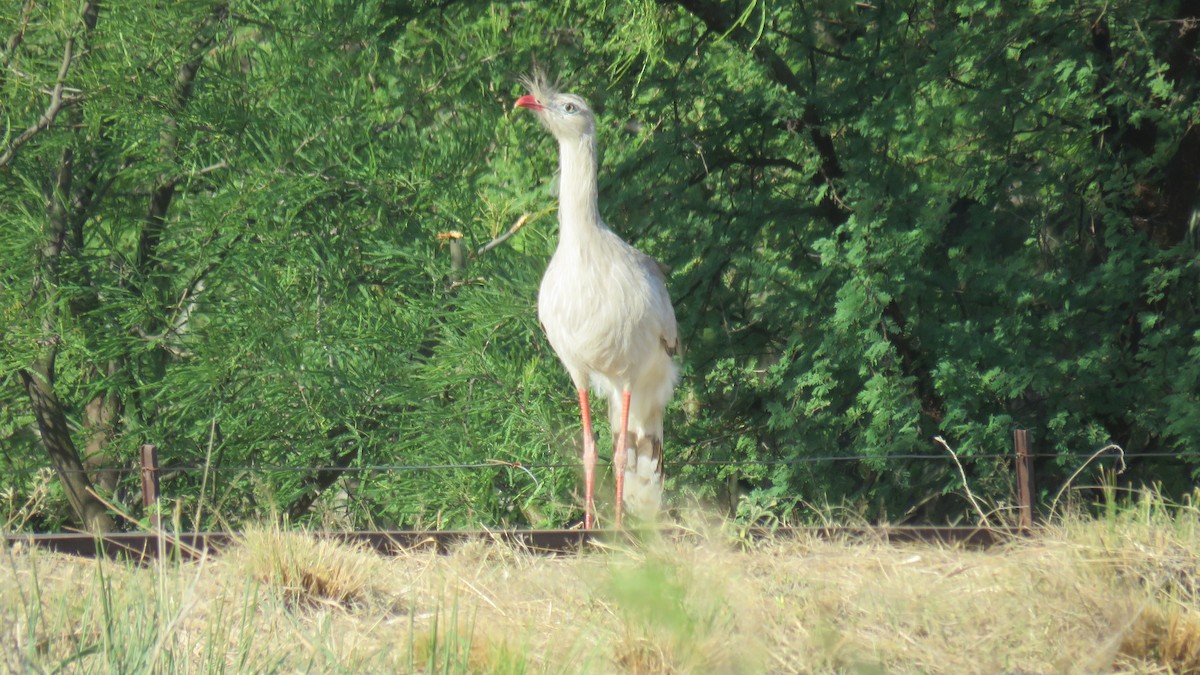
x,y
603,309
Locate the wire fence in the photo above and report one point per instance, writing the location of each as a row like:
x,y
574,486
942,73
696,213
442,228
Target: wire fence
x,y
152,471
536,466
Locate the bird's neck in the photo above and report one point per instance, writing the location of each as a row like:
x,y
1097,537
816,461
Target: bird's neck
x,y
578,214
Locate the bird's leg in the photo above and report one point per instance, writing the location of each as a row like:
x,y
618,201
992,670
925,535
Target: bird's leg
x,y
589,462
619,455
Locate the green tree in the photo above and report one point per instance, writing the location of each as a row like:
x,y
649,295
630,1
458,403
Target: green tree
x,y
884,223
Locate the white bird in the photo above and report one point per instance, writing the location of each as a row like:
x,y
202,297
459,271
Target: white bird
x,y
606,312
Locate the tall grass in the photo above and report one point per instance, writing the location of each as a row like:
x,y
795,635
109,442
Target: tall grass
x,y
1116,592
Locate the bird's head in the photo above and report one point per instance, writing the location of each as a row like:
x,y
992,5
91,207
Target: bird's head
x,y
567,116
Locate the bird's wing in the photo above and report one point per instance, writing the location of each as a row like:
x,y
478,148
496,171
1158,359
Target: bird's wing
x,y
670,329
670,336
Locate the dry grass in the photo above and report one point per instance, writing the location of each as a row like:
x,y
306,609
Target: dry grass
x,y
301,568
1114,595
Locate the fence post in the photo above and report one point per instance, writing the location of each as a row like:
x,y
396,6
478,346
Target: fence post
x,y
150,483
1025,489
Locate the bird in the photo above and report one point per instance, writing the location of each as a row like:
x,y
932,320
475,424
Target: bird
x,y
606,312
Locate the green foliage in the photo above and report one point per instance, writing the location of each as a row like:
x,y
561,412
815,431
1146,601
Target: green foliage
x,y
884,223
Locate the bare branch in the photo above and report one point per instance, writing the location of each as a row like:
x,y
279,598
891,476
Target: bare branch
x,y
498,240
18,37
173,181
56,105
223,164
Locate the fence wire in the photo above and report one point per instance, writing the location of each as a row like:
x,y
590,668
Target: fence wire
x,y
523,466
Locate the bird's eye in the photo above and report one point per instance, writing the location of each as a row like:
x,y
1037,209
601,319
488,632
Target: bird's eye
x,y
570,108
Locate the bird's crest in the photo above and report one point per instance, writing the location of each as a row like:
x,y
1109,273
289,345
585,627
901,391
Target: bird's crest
x,y
539,84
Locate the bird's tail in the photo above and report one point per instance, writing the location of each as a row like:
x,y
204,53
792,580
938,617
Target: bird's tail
x,y
643,473
650,393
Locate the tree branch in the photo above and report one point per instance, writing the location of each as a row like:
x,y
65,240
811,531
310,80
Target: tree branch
x,y
500,239
713,14
17,37
57,101
721,163
164,192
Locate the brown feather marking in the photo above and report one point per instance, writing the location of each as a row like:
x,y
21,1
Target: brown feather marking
x,y
656,453
669,348
647,446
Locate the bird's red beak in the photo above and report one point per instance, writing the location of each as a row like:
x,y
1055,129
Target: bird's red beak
x,y
528,101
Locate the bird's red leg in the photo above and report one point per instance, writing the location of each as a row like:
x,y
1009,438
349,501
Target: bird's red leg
x,y
589,462
619,455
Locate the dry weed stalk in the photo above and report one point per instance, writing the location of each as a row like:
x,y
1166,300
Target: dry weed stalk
x,y
966,486
1071,479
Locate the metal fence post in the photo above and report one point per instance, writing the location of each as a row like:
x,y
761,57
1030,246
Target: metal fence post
x,y
150,483
1025,489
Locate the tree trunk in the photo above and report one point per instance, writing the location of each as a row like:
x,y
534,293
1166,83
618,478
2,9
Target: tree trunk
x,y
38,379
56,438
100,418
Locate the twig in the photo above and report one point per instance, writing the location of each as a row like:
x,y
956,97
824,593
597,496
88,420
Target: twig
x,y
212,435
51,112
970,497
17,37
1067,483
163,534
517,465
483,596
223,164
499,240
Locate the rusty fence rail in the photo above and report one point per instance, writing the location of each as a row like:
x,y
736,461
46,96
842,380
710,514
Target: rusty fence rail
x,y
146,546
